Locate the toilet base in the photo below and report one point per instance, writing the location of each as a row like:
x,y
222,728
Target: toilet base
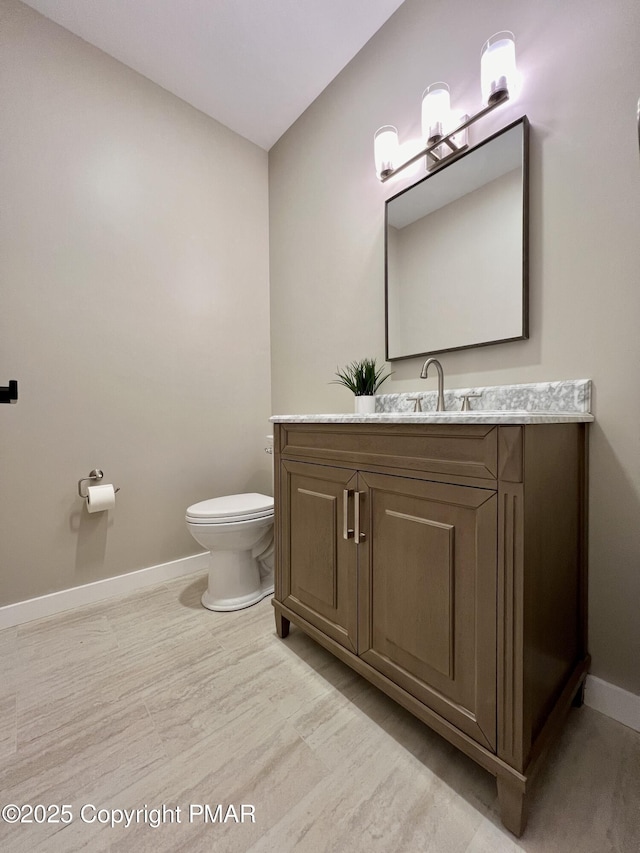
x,y
237,604
234,581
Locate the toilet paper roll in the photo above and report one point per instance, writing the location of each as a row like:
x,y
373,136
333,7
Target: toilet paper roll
x,y
100,498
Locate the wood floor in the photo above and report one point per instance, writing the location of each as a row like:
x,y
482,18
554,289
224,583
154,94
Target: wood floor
x,y
149,701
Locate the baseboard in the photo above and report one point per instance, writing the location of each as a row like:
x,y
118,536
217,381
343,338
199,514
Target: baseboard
x,y
613,701
66,599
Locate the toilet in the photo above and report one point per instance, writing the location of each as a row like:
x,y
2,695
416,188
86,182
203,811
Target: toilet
x,y
237,530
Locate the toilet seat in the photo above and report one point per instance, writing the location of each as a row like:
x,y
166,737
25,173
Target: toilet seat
x,y
231,508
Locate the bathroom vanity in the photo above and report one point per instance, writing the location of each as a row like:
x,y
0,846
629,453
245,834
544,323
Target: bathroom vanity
x,y
443,557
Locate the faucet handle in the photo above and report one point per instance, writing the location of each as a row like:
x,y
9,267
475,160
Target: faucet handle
x,y
417,403
465,401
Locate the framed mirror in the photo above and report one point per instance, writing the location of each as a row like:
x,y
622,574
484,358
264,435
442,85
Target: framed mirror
x,y
456,252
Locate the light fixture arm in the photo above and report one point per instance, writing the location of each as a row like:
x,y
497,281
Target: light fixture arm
x,y
429,152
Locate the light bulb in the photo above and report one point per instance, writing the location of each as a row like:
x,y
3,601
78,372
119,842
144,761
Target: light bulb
x,y
436,112
498,71
385,150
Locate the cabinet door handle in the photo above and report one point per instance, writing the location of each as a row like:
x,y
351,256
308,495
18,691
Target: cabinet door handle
x,y
359,535
347,532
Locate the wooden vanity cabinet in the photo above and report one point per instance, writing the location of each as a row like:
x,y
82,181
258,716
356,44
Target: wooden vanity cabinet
x,y
427,589
446,564
317,565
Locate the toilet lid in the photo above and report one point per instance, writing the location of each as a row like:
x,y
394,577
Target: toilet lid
x,y
236,507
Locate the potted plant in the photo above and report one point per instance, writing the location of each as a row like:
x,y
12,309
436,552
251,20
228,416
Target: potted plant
x,y
363,378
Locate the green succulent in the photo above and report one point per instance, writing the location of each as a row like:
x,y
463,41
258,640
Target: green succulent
x,y
361,377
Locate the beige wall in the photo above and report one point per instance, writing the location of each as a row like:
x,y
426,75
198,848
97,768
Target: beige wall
x,y
579,59
134,311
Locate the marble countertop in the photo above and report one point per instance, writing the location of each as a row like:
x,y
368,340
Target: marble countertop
x,y
478,417
566,401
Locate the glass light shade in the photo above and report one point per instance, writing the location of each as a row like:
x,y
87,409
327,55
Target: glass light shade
x,y
436,112
498,71
385,149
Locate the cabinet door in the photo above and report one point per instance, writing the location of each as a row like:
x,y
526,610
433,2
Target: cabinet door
x,y
319,565
428,594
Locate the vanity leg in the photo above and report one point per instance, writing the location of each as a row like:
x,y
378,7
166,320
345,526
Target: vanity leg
x,y
513,806
282,626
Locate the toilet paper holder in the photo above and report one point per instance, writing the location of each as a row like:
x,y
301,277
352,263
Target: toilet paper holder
x,y
96,474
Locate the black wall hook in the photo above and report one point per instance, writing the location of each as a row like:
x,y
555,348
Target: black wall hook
x,y
9,393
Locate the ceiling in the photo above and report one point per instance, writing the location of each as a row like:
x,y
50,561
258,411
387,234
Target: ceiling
x,y
254,65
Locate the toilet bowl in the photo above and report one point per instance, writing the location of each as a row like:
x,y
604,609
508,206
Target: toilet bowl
x,y
237,530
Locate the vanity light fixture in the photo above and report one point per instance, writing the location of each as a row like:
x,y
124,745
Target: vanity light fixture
x,y
497,73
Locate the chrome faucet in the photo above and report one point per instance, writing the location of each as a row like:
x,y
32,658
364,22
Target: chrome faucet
x,y
423,375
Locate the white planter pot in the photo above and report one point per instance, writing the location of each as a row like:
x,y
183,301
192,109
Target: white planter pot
x,y
365,405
